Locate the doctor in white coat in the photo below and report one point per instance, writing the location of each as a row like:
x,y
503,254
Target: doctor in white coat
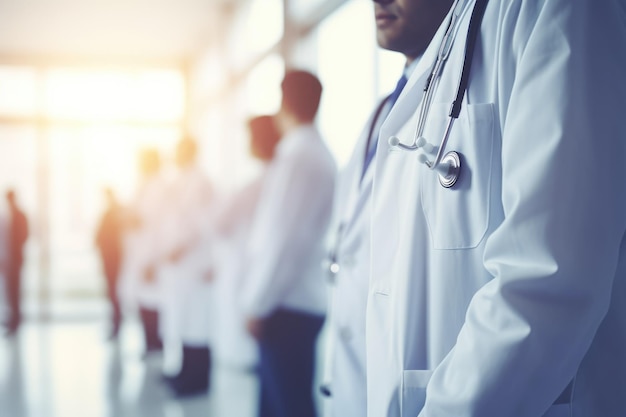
x,y
186,269
348,263
233,222
4,243
505,294
138,284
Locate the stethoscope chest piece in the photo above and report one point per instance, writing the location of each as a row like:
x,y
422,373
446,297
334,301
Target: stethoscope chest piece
x,y
452,161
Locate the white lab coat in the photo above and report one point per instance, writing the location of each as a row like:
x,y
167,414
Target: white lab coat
x,y
349,289
4,254
345,354
187,298
142,243
506,295
285,250
234,345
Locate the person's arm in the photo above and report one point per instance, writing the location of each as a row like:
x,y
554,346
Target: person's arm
x,y
3,244
100,238
555,255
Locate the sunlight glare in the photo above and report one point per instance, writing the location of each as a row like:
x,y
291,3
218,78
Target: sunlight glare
x,y
114,95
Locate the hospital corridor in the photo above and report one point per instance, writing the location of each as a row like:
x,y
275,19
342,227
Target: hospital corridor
x,y
312,208
141,189
65,369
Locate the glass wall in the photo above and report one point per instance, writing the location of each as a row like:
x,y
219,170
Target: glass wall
x,y
18,171
346,65
65,134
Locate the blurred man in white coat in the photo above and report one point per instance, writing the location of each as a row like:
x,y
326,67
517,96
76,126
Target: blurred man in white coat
x,y
284,296
234,345
185,271
348,263
141,244
4,254
498,268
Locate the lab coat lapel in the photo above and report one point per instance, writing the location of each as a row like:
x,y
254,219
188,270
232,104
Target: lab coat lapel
x,y
358,189
360,194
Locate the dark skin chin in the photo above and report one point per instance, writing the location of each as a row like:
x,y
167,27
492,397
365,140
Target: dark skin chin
x,y
411,26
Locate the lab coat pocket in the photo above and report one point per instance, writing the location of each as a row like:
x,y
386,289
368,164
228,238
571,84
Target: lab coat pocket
x,y
559,410
413,392
458,217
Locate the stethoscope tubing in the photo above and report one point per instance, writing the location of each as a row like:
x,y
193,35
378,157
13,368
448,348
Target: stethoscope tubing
x,y
447,175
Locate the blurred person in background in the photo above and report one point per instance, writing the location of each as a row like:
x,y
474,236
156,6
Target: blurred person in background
x,y
284,296
185,268
234,345
109,240
4,254
141,242
17,236
345,381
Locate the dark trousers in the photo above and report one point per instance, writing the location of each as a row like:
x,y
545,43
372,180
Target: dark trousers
x,y
195,371
150,322
14,295
287,363
116,312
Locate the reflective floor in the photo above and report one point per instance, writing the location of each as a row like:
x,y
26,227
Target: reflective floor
x,y
69,369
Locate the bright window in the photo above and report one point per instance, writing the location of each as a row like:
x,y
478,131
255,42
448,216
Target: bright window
x,y
79,130
18,91
346,66
263,86
114,95
264,25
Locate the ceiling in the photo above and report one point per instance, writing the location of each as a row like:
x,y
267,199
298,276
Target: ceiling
x,y
116,31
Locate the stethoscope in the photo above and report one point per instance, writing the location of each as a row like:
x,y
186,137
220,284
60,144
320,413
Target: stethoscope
x,y
447,166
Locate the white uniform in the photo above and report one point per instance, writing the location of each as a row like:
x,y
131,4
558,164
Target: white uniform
x,y
187,308
4,248
346,323
233,344
506,295
142,243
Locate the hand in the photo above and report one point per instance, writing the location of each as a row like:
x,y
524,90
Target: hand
x,y
176,255
255,328
149,274
208,276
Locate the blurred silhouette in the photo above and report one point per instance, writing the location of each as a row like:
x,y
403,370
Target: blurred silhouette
x,y
141,243
17,236
234,345
284,297
264,136
185,270
4,252
109,240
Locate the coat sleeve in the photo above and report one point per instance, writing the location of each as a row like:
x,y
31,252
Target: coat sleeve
x,y
555,254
